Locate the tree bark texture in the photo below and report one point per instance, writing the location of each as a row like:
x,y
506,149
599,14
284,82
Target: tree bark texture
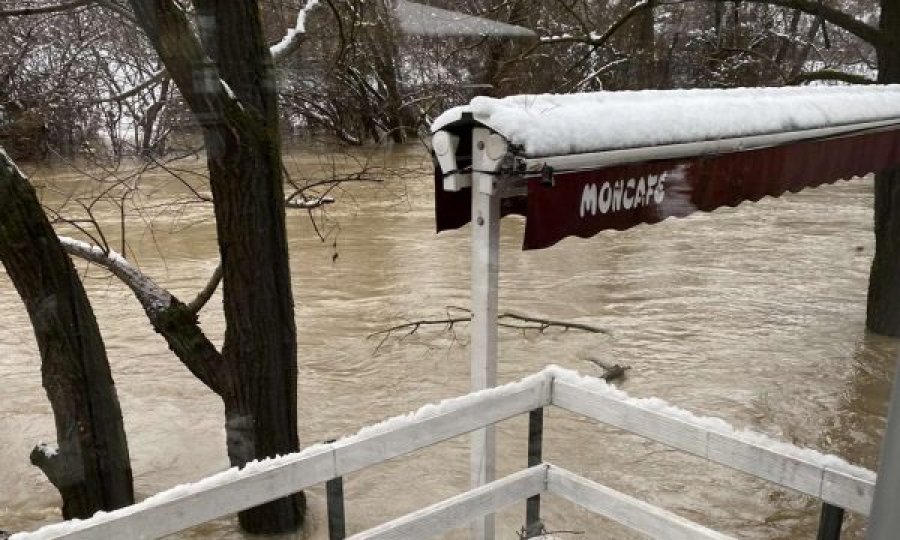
x,y
239,120
91,468
883,310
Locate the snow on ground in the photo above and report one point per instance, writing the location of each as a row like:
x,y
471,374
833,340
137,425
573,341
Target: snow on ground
x,y
551,124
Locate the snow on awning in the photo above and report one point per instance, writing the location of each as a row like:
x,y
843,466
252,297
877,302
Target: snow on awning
x,y
613,160
554,125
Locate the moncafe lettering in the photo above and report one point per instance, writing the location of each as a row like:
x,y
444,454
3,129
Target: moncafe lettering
x,y
622,195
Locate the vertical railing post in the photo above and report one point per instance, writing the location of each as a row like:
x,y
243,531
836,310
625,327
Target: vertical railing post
x,y
884,519
487,152
830,522
334,503
533,525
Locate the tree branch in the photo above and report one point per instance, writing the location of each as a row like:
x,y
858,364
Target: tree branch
x,y
156,78
838,18
152,297
294,36
42,10
532,323
834,16
596,39
169,317
308,204
830,75
203,296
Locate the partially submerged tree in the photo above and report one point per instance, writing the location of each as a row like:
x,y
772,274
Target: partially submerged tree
x,y
90,465
226,77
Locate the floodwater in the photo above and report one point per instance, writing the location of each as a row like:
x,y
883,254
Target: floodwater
x,y
752,314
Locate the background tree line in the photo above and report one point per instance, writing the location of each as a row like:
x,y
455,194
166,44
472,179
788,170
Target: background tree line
x,y
82,80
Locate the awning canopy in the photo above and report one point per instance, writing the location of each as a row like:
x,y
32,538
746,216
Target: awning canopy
x,y
612,160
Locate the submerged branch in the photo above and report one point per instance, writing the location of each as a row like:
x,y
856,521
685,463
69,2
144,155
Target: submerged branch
x,y
611,372
539,324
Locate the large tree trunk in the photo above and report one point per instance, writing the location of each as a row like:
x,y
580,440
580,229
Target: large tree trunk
x,y
233,97
91,468
260,347
883,313
260,343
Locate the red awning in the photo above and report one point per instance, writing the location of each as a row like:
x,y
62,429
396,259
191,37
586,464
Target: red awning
x,y
585,202
620,197
613,160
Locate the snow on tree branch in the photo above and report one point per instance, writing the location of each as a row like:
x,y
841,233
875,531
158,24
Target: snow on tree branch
x,y
597,39
152,297
294,35
834,16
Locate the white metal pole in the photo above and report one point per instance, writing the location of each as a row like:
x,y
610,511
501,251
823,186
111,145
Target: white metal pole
x,y
485,251
884,518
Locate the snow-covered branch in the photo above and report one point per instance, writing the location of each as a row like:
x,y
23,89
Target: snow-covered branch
x,y
308,204
152,297
173,320
597,39
294,36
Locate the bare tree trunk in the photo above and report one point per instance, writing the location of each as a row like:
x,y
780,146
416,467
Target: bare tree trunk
x,y
233,97
883,312
91,468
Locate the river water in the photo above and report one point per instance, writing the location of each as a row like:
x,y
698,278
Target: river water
x,y
752,314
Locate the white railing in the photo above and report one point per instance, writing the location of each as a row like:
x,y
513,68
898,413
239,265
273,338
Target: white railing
x,y
825,477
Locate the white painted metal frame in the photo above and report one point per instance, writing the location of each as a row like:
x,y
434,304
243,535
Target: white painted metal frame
x,y
199,503
635,514
884,521
161,518
488,150
836,487
457,511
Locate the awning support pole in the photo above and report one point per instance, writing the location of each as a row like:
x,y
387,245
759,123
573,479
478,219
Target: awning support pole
x,y
884,519
485,259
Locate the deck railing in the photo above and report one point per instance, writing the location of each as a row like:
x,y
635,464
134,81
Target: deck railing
x,y
828,478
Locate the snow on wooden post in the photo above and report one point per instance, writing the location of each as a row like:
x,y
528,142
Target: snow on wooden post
x,y
487,151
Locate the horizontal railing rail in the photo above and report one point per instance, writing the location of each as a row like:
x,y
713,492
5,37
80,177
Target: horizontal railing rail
x,y
796,468
826,477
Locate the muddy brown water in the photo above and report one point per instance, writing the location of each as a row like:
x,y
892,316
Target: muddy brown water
x,y
752,314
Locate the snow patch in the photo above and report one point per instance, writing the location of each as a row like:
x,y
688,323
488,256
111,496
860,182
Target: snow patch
x,y
49,450
293,34
551,124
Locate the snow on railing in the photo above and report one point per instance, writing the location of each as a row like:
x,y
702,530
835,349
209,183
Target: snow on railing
x,y
827,477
